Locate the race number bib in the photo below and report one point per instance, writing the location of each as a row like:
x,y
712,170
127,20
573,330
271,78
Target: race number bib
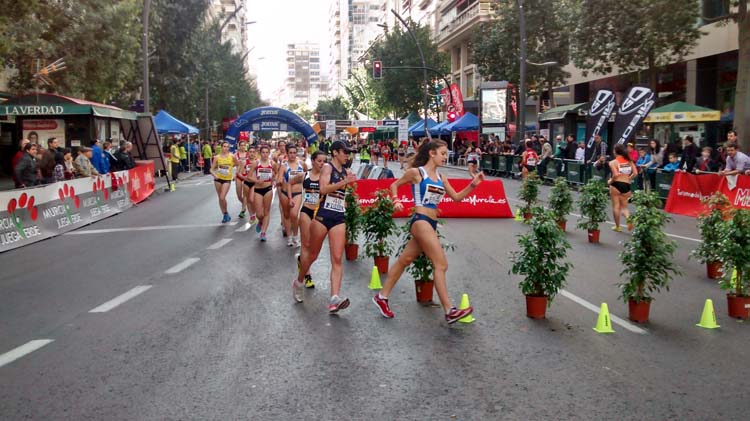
x,y
312,198
531,162
265,174
224,170
433,195
626,169
334,203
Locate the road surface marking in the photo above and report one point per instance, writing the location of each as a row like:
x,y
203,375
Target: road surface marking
x,y
627,325
109,305
151,228
219,244
182,265
22,350
244,228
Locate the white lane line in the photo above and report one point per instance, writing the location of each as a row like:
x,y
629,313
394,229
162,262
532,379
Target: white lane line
x,y
627,325
151,228
219,244
697,240
109,305
244,228
181,266
22,350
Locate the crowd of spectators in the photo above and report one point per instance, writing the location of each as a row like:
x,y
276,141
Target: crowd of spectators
x,y
35,165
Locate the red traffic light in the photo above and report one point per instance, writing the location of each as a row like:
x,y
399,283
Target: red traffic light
x,y
451,116
377,69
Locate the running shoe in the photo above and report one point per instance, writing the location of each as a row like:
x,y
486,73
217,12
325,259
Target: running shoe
x,y
258,227
337,303
309,282
263,237
383,306
290,241
241,215
297,242
226,218
253,219
616,229
454,314
298,288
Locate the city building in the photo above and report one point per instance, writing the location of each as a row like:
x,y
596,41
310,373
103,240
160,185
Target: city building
x,y
230,14
303,82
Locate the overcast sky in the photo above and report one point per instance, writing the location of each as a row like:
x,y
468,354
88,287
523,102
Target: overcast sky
x,y
282,22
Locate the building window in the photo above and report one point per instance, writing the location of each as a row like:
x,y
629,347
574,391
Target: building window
x,y
469,85
713,9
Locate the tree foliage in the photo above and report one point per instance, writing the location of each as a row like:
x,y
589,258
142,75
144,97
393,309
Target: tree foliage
x,y
333,109
496,45
363,94
402,90
301,110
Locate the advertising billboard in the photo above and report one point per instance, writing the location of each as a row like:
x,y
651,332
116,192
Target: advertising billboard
x,y
494,106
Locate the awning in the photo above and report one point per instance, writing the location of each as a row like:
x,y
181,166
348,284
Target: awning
x,y
467,122
54,105
418,128
679,111
166,124
558,113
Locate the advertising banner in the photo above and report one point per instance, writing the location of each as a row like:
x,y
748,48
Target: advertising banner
x,y
38,131
453,99
494,106
486,201
638,102
599,112
688,190
32,215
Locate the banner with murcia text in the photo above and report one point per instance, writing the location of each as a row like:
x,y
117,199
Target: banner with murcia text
x,y
688,189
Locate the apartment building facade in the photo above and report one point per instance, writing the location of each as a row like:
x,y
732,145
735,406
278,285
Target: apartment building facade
x,y
304,84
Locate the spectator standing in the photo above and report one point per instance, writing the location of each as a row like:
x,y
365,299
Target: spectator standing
x,y
581,151
207,155
174,159
83,165
184,156
48,162
17,158
737,162
672,147
632,151
97,157
706,162
657,154
112,163
689,154
26,168
68,169
571,149
546,157
125,157
598,154
673,164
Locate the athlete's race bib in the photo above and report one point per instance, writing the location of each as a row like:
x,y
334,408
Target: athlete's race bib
x,y
531,162
335,204
626,169
433,195
265,174
294,173
224,170
312,198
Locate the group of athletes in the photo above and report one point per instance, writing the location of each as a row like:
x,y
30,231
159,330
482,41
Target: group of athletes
x,y
312,205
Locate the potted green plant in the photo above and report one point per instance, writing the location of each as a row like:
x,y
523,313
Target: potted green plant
x,y
718,210
735,255
647,256
421,268
529,194
593,207
541,261
353,218
560,201
378,226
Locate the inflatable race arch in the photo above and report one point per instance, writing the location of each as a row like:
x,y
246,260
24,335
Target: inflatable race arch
x,y
269,119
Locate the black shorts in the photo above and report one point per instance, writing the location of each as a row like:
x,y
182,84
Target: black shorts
x,y
419,217
263,191
621,186
249,184
220,181
294,194
531,168
309,212
473,162
330,222
364,161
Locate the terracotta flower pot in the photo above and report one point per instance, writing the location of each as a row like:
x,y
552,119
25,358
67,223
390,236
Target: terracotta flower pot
x,y
382,263
593,236
424,291
714,270
351,251
536,306
736,306
562,224
526,216
638,311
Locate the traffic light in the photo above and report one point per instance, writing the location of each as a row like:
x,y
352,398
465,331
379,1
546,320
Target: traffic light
x,y
377,69
451,116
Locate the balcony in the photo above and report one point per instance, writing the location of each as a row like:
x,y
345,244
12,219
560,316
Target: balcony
x,y
461,25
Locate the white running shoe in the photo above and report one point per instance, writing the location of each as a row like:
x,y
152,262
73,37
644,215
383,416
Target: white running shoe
x,y
298,288
290,241
297,241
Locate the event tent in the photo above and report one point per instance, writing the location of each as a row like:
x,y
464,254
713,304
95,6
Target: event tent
x,y
418,128
467,122
166,124
438,128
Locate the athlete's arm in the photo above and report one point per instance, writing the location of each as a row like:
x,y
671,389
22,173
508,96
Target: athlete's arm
x,y
324,184
214,165
296,179
457,197
410,176
251,173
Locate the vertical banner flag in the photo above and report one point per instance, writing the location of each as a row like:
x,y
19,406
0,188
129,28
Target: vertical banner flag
x,y
633,110
601,109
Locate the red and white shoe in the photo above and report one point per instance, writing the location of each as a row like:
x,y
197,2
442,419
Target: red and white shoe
x,y
454,314
383,306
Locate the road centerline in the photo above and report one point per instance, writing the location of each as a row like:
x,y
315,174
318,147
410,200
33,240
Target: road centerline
x,y
182,265
22,350
219,244
148,228
578,300
109,305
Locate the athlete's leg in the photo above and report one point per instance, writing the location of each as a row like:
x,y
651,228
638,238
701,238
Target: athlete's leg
x,y
260,210
285,214
239,188
614,194
430,244
336,241
267,199
294,212
318,233
411,252
304,230
624,207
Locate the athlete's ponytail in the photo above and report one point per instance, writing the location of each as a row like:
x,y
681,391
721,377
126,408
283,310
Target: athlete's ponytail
x,y
423,153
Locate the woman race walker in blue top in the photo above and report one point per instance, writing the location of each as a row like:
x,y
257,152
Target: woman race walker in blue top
x,y
428,188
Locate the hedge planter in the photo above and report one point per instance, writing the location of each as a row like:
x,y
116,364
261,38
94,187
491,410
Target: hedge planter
x,y
562,225
638,310
536,306
594,236
714,270
736,306
526,216
351,251
424,291
382,263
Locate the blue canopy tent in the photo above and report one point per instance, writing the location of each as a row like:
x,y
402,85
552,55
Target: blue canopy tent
x,y
467,122
166,124
418,128
438,128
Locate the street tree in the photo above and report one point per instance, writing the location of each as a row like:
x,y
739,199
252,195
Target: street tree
x,y
402,90
633,36
496,45
335,108
363,95
301,110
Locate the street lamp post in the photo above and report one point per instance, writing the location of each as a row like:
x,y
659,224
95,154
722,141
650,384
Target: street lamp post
x,y
144,46
424,69
522,82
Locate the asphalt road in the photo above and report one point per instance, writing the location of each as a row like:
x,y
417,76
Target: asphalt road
x,y
221,337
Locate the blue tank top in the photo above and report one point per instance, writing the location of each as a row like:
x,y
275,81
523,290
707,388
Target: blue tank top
x,y
428,193
332,204
291,173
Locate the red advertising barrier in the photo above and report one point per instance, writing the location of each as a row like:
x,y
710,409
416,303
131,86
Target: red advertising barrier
x,y
142,181
486,201
688,190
